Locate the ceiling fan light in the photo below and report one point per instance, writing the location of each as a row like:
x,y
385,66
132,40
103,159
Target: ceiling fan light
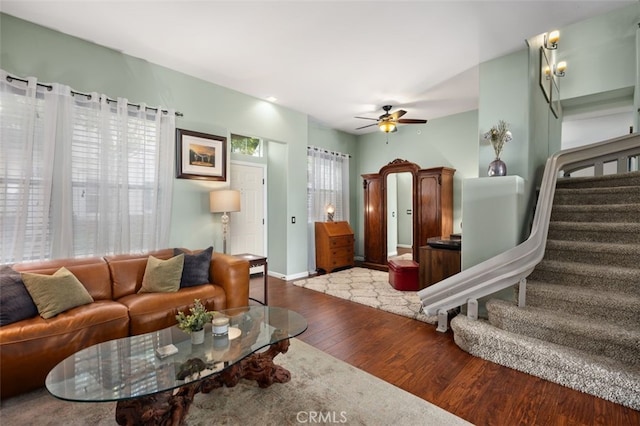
x,y
387,126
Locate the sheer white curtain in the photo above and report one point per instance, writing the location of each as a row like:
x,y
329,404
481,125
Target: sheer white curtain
x,y
327,183
81,175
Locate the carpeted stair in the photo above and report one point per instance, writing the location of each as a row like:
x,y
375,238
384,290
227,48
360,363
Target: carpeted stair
x,y
581,323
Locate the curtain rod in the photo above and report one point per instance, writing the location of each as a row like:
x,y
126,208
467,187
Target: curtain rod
x,y
88,96
315,148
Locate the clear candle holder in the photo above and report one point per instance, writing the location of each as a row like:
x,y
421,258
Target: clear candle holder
x,y
220,326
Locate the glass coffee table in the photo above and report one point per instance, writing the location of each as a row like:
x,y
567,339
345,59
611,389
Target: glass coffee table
x,y
151,387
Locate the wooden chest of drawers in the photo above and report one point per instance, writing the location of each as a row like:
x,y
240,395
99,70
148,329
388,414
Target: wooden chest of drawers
x,y
334,245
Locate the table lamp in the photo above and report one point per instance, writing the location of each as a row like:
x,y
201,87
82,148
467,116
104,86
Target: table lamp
x,y
224,201
330,212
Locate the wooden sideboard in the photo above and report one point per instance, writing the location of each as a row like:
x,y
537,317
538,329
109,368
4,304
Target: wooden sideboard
x,y
437,264
334,245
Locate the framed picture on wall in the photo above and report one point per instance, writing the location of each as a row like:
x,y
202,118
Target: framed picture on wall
x,y
200,156
545,75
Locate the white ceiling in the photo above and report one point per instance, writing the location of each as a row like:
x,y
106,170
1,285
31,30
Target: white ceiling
x,y
332,60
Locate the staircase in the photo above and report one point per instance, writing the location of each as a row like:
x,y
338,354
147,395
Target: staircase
x,y
581,325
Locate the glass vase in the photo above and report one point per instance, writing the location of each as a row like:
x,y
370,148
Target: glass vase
x,y
497,168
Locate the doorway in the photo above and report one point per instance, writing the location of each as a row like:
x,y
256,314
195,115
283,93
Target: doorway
x,y
248,226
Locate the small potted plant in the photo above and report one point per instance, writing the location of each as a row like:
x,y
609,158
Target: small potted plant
x,y
194,322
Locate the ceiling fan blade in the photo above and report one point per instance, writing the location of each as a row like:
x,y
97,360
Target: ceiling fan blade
x,y
367,118
399,113
411,121
368,125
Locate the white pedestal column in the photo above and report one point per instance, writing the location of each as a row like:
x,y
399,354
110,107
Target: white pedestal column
x,y
493,214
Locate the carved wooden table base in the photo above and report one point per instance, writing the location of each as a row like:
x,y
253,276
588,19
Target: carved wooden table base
x,y
167,408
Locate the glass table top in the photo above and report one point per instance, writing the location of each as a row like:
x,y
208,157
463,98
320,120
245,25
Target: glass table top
x,y
129,367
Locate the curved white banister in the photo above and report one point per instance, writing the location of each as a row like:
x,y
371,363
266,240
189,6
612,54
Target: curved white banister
x,y
513,265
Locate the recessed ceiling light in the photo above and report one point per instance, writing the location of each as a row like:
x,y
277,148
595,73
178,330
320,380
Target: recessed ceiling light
x,y
272,98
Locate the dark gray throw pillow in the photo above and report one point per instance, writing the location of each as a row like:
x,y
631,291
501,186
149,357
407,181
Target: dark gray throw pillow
x,y
15,302
196,267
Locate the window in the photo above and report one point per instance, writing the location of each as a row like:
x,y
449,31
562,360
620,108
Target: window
x,y
81,175
327,183
246,145
22,126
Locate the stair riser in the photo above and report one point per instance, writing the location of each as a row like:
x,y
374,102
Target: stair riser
x,y
625,260
591,312
581,215
603,236
547,361
632,179
606,284
597,198
602,345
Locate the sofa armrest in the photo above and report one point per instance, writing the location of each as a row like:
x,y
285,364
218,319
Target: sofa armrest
x,y
232,274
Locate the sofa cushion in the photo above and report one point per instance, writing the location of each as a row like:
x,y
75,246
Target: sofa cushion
x,y
196,267
15,302
92,272
127,270
162,276
56,293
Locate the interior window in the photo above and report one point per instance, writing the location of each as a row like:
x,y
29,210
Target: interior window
x,y
246,145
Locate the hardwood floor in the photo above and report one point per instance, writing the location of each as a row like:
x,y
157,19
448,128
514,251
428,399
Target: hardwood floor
x,y
415,357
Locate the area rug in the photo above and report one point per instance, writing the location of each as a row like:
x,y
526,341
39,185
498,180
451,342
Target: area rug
x,y
371,288
322,390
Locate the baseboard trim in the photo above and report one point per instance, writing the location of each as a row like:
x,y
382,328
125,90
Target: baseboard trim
x,y
289,277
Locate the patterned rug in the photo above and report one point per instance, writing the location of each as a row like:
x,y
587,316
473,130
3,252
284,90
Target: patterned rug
x,y
371,288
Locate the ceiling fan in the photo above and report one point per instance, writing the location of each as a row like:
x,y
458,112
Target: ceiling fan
x,y
388,122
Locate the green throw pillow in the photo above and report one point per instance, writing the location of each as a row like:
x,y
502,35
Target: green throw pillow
x,y
162,276
55,293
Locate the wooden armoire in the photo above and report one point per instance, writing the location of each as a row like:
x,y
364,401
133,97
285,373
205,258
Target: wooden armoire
x,y
432,208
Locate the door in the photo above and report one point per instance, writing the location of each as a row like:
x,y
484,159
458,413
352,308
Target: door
x,y
375,241
248,226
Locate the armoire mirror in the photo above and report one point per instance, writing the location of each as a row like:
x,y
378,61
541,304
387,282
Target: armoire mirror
x,y
399,213
428,213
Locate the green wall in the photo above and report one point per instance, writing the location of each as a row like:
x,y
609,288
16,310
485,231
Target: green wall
x,y
450,141
504,95
276,206
31,50
602,53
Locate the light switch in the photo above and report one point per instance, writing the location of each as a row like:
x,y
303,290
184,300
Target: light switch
x,y
293,219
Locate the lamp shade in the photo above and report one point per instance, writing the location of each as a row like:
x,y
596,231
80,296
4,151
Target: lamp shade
x,y
226,200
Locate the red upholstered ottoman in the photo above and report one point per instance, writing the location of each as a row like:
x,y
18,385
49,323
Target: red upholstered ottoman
x,y
403,274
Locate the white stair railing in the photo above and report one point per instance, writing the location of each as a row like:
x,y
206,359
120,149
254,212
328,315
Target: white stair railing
x,y
514,265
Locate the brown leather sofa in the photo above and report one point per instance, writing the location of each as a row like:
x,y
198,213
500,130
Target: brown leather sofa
x,y
30,348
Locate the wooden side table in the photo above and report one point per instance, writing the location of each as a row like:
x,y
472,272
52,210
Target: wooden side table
x,y
257,260
437,264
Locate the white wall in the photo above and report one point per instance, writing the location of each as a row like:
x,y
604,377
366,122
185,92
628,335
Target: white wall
x,y
584,129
